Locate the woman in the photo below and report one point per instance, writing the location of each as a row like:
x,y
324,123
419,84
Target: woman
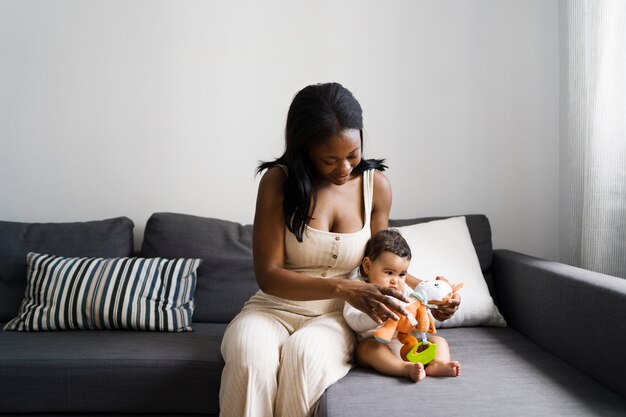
x,y
317,206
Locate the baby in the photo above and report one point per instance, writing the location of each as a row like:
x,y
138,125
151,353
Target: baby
x,y
386,261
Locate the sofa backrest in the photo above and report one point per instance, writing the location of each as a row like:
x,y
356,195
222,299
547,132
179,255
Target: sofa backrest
x,y
480,231
225,276
103,238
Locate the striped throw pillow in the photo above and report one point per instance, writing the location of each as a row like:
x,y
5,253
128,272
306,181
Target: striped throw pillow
x,y
97,293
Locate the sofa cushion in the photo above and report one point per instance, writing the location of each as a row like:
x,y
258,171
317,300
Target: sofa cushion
x,y
225,277
104,238
502,373
107,293
480,233
444,248
109,371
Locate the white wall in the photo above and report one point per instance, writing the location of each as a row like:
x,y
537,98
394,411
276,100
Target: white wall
x,y
114,108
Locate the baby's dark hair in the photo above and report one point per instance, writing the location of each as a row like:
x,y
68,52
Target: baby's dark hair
x,y
389,240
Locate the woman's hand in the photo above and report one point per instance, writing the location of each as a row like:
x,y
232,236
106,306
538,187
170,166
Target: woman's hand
x,y
377,302
445,311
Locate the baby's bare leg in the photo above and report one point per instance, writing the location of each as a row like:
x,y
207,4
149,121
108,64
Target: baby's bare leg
x,y
373,354
442,365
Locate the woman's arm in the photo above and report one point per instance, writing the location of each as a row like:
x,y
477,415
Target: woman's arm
x,y
268,246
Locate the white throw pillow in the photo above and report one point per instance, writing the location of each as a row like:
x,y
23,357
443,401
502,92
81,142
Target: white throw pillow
x,y
444,248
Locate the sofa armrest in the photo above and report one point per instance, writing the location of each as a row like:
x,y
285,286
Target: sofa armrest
x,y
577,315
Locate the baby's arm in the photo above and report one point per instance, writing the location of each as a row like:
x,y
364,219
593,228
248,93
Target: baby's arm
x,y
358,320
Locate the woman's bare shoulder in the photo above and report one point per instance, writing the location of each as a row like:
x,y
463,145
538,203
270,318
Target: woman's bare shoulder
x,y
381,204
381,182
274,177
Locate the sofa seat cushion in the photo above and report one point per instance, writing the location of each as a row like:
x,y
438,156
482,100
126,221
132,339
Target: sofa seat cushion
x,y
111,371
502,373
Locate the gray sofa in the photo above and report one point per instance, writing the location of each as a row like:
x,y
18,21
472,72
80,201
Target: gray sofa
x,y
563,354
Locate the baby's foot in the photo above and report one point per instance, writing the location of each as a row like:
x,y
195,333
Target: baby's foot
x,y
414,371
451,368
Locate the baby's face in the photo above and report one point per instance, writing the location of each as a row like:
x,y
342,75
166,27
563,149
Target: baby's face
x,y
388,270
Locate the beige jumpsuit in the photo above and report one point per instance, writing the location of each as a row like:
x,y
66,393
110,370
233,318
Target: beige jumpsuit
x,y
281,355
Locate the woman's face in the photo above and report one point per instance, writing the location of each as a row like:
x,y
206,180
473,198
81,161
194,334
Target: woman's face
x,y
335,159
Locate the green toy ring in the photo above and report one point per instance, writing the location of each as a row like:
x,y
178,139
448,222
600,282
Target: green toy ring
x,y
424,357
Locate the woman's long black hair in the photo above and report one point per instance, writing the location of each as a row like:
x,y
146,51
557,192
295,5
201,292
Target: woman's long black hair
x,y
317,113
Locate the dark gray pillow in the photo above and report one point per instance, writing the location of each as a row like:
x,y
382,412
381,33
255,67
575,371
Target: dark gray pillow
x,y
225,277
104,238
480,231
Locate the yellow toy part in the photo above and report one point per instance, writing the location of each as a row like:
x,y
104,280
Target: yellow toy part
x,y
414,351
425,356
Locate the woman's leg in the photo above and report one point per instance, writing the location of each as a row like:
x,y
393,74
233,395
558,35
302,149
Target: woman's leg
x,y
251,352
313,358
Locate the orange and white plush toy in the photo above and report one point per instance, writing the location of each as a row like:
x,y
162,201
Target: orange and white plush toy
x,y
427,294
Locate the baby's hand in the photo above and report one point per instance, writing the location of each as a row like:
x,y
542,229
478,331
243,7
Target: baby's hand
x,y
445,311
